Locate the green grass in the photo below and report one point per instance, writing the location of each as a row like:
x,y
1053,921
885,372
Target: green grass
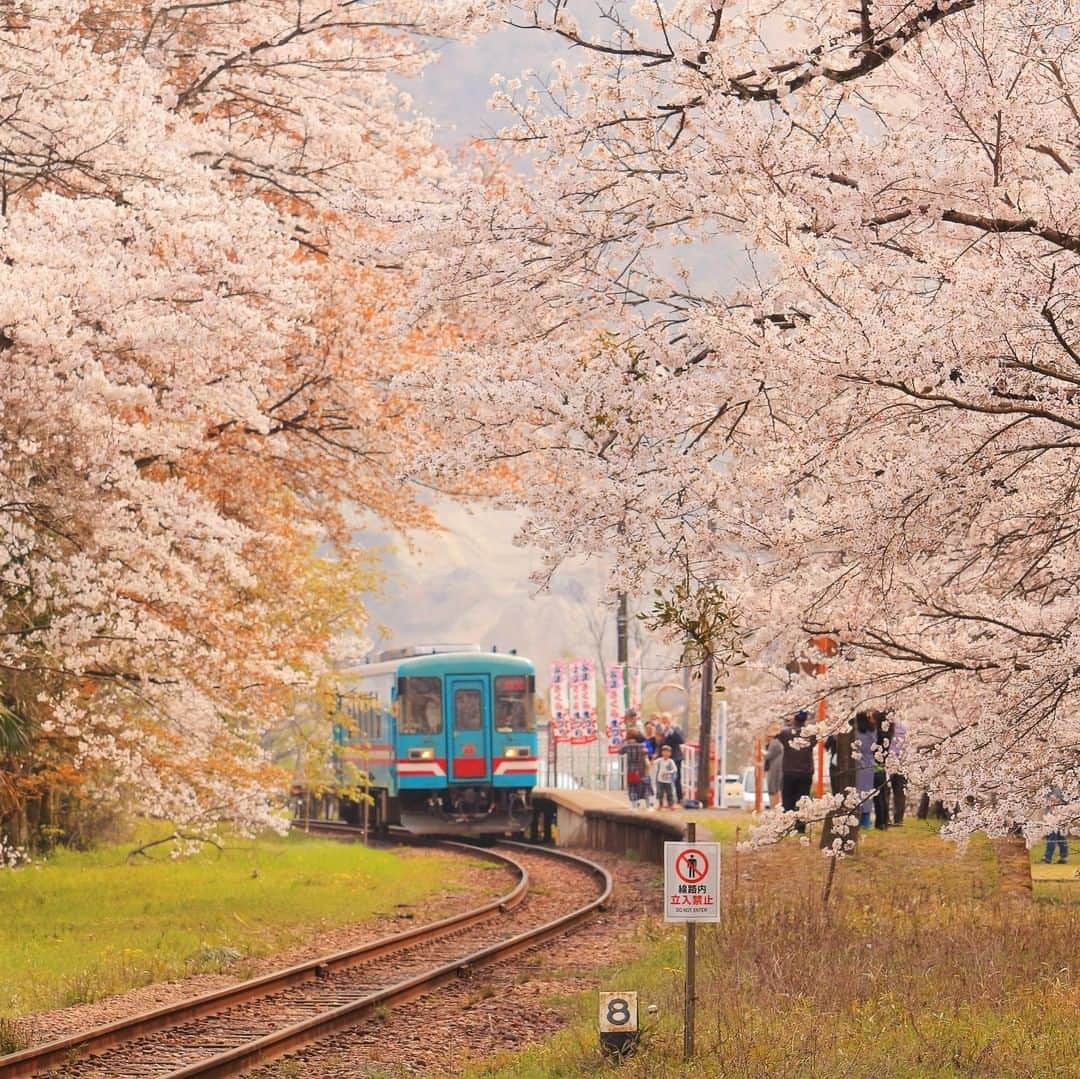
x,y
916,969
84,925
1056,883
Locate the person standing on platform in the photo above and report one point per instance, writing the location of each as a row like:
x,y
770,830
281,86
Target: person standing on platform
x,y
866,735
666,774
651,744
637,763
673,739
798,765
773,767
841,762
881,776
842,773
652,751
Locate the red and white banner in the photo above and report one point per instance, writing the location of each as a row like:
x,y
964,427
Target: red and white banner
x,y
560,701
582,701
615,695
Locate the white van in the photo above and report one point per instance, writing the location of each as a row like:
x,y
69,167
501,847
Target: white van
x,y
748,791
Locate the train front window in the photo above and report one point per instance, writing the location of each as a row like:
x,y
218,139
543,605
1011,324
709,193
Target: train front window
x,y
513,704
421,706
468,710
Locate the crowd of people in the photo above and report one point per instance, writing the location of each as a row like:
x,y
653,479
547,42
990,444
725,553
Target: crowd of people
x,y
654,757
868,756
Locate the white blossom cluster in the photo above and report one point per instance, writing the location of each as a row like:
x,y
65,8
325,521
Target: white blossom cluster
x,y
12,855
855,401
195,202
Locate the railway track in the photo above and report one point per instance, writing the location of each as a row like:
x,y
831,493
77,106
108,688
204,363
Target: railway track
x,y
234,1030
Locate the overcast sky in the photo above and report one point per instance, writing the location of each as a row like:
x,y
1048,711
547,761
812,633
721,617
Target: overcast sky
x,y
454,91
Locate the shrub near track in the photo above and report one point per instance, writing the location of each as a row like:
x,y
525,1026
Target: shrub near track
x,y
915,969
82,926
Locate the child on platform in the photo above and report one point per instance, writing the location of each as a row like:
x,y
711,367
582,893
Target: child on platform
x,y
666,771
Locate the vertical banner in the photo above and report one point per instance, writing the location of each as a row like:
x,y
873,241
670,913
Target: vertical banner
x,y
559,728
577,696
582,701
590,701
616,717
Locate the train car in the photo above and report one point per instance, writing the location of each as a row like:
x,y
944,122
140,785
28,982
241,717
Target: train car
x,y
444,736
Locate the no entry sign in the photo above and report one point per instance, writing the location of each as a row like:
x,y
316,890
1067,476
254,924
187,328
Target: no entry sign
x,y
691,882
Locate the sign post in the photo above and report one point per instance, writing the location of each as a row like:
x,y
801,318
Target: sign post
x,y
691,895
690,1007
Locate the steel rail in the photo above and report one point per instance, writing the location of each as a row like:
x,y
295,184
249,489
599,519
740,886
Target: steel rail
x,y
42,1058
244,1057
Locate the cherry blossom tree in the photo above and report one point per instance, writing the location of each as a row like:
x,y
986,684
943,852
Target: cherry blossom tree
x,y
197,292
786,300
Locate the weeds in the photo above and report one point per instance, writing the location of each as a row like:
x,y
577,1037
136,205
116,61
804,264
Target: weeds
x,y
287,1069
15,1035
915,968
214,960
484,993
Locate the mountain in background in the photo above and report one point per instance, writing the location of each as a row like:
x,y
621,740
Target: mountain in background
x,y
469,584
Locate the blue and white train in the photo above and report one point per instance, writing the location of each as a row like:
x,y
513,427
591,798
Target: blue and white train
x,y
446,736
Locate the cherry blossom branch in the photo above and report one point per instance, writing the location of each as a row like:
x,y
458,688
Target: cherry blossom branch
x,y
753,85
969,406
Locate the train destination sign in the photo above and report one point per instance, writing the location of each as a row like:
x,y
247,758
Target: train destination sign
x,y
691,882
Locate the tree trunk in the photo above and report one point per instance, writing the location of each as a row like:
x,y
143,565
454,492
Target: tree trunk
x,y
705,734
842,778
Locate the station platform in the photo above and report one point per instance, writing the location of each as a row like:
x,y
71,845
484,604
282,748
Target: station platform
x,y
604,820
616,801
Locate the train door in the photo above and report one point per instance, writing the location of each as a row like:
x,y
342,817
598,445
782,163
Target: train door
x,y
469,701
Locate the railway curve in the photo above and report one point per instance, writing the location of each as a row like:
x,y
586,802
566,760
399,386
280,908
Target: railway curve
x,y
233,1030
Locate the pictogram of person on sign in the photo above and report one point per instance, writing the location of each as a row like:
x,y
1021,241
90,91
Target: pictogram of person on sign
x,y
691,866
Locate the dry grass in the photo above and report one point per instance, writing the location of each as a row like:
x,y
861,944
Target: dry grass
x,y
916,968
15,1034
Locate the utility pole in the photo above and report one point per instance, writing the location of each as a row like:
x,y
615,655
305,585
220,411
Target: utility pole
x,y
621,621
622,657
705,733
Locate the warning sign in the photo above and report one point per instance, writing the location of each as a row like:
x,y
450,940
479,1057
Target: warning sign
x,y
691,882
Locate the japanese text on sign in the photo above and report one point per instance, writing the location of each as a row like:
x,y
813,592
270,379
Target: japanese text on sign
x,y
691,882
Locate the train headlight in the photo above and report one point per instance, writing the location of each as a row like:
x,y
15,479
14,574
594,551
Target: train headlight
x,y
425,754
516,751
